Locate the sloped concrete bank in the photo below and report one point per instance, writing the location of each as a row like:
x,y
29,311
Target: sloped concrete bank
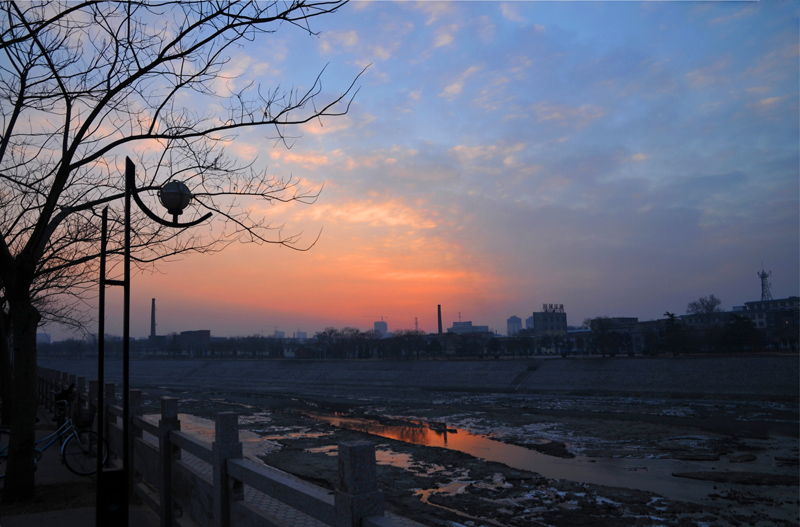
x,y
750,376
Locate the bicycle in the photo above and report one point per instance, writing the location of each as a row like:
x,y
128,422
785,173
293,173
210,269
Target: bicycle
x,y
79,448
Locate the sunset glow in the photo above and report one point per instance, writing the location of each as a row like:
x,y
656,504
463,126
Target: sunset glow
x,y
619,158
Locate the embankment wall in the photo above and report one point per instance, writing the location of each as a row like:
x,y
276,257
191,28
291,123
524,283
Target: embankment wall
x,y
770,376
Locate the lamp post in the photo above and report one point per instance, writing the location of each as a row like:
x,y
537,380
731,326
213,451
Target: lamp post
x,y
175,196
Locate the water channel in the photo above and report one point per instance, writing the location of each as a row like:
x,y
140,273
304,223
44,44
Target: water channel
x,y
650,474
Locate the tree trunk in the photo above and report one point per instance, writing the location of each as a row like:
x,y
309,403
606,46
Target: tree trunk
x,y
19,480
6,389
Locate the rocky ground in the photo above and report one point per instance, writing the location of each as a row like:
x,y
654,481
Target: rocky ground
x,y
729,462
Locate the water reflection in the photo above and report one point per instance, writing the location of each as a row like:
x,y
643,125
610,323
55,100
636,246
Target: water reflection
x,y
414,432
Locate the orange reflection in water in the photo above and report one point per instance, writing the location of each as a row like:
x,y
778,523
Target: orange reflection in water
x,y
416,433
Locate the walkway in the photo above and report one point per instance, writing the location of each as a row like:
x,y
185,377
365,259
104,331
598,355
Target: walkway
x,y
62,498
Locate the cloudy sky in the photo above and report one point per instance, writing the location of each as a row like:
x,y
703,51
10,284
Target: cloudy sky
x,y
619,158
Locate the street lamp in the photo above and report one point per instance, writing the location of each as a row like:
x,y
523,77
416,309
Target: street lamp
x,y
175,196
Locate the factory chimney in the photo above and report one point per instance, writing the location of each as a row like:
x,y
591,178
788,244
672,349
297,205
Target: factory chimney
x,y
153,319
440,319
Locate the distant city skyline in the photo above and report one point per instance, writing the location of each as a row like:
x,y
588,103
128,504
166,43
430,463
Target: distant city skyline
x,y
620,158
382,325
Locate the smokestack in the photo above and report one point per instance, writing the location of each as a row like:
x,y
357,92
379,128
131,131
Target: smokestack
x,y
440,319
153,319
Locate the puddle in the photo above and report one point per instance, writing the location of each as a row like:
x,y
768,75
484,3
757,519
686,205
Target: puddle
x,y
454,489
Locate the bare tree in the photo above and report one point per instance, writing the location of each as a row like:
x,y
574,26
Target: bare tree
x,y
82,86
704,306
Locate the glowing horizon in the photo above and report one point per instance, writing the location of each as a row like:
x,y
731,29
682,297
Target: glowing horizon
x,y
622,159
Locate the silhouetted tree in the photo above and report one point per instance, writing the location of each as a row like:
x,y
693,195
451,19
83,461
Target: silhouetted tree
x,y
434,348
82,85
494,346
601,329
673,338
410,342
704,305
741,334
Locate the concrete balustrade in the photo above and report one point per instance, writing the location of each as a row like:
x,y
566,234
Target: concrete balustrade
x,y
189,481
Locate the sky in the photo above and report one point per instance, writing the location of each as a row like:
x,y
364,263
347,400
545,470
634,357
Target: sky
x,y
619,158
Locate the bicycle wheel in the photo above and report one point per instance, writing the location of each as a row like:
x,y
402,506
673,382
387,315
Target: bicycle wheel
x,y
4,439
80,453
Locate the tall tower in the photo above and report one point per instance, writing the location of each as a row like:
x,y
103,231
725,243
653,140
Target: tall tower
x,y
153,319
766,294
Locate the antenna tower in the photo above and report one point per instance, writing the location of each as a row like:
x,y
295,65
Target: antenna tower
x,y
766,294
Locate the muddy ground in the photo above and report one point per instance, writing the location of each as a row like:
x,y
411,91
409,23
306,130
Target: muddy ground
x,y
728,462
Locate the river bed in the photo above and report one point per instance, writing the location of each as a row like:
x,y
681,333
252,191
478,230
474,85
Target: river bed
x,y
508,460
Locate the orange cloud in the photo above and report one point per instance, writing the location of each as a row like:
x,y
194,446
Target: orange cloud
x,y
390,213
319,127
309,160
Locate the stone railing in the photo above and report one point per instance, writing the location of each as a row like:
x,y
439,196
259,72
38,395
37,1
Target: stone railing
x,y
182,477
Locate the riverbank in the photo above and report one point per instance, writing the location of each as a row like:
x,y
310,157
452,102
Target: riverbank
x,y
761,376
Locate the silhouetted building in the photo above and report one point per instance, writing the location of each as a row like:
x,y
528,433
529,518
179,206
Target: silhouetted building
x,y
461,328
778,318
514,325
381,327
551,321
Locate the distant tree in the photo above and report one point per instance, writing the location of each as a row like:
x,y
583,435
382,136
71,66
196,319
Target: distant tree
x,y
652,341
275,348
410,342
371,339
704,305
326,341
526,343
673,338
601,330
615,343
434,348
741,334
469,345
494,346
627,344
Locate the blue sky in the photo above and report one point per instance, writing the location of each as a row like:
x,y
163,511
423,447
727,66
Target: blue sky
x,y
621,158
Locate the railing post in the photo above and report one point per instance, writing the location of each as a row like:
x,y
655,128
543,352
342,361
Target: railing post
x,y
109,399
46,389
226,446
79,387
92,404
169,454
133,432
80,391
357,496
51,387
